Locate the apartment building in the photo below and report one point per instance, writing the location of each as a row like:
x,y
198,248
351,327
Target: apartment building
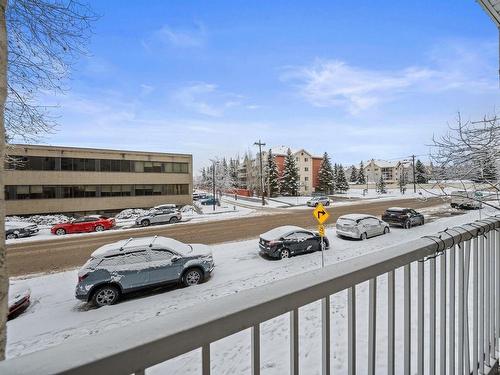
x,y
50,179
307,164
391,171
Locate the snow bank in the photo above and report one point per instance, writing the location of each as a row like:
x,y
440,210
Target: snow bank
x,y
41,220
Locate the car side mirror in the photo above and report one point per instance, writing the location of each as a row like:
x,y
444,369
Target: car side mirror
x,y
175,258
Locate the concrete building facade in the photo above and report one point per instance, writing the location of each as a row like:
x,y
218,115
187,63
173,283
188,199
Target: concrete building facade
x,y
49,179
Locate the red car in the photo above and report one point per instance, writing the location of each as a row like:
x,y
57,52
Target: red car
x,y
19,300
84,224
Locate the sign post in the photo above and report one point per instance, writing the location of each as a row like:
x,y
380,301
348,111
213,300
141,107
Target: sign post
x,y
321,215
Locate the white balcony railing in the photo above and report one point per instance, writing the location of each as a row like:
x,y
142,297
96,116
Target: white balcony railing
x,y
463,261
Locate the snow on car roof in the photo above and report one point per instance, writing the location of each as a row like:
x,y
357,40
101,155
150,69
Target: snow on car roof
x,y
18,224
132,244
278,232
396,209
355,216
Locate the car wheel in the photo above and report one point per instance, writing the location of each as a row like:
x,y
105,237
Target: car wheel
x,y
386,230
106,295
99,228
407,225
327,203
173,220
422,222
11,236
364,236
192,276
145,223
284,254
61,232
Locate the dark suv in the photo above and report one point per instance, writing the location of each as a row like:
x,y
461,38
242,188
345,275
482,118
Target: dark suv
x,y
405,217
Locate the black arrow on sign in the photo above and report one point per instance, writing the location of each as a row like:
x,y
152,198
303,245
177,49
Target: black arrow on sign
x,y
321,213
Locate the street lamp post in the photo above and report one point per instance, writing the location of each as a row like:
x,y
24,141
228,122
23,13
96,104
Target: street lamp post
x,y
260,144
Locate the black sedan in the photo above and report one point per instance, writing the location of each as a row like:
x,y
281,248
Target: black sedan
x,y
286,241
405,217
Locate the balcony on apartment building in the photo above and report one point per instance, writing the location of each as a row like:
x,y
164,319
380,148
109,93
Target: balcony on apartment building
x,y
430,305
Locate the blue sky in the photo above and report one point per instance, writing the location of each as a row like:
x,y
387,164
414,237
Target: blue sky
x,y
358,80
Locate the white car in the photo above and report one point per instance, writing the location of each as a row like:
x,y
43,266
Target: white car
x,y
313,202
361,226
168,206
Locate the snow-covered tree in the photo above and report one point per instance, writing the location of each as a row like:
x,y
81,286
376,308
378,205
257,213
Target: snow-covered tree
x,y
403,180
361,174
381,186
354,174
272,175
420,173
341,184
234,164
290,181
326,178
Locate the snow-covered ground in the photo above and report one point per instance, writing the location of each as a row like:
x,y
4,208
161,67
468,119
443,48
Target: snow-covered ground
x,y
56,316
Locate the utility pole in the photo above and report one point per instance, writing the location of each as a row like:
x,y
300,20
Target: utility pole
x,y
414,178
260,144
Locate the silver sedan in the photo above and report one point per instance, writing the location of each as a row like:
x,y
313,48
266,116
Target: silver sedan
x,y
361,226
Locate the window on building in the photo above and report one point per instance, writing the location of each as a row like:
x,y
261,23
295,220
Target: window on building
x,y
67,191
126,190
36,192
78,164
90,191
306,169
306,159
125,166
66,164
115,165
138,166
306,178
105,165
148,166
90,165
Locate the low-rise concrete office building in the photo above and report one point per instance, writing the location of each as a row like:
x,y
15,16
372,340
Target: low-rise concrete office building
x,y
50,179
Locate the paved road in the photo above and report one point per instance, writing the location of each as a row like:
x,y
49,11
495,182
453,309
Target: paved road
x,y
69,252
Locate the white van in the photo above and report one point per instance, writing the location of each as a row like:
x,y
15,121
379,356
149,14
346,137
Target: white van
x,y
466,199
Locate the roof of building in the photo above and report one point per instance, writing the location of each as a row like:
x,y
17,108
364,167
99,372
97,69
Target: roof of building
x,y
283,150
492,8
382,163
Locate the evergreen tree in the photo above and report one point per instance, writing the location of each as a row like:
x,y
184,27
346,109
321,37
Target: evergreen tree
x,y
233,171
341,184
361,174
354,174
326,177
272,176
420,173
335,176
290,180
403,179
381,186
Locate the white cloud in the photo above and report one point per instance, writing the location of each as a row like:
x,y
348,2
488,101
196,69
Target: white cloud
x,y
335,83
206,99
183,38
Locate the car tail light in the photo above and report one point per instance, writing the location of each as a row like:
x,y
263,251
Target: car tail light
x,y
83,277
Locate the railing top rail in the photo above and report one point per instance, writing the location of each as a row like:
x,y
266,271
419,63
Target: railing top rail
x,y
147,343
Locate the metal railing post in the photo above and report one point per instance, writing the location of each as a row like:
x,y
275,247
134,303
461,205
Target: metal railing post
x,y
460,354
475,250
351,330
420,317
255,337
442,313
325,334
391,299
372,325
432,317
205,359
294,342
451,304
407,320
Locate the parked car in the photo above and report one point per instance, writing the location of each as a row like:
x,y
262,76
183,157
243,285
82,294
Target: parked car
x,y
168,206
19,301
84,224
405,217
15,229
466,199
159,217
313,202
141,263
199,196
209,201
361,226
286,241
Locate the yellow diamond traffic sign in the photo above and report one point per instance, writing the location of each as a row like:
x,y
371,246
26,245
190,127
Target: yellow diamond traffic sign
x,y
320,214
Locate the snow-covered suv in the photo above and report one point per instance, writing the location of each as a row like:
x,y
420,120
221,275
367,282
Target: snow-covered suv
x,y
139,263
157,216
